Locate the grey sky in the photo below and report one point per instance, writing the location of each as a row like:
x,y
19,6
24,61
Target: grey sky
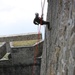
x,y
16,16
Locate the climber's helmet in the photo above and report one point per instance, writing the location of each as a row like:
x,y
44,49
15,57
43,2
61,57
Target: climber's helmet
x,y
37,14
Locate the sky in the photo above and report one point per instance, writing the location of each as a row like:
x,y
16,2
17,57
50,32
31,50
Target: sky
x,y
16,16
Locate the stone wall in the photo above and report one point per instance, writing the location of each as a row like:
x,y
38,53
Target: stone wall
x,y
2,50
8,68
21,37
26,54
22,55
59,45
22,61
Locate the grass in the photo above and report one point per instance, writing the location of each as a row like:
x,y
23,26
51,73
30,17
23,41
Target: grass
x,y
0,43
24,43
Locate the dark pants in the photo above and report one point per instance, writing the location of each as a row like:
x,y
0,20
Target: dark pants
x,y
45,22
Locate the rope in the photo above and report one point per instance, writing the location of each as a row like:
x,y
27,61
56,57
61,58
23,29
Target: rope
x,y
42,6
37,47
36,51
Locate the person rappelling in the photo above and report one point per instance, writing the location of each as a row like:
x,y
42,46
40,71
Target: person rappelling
x,y
39,20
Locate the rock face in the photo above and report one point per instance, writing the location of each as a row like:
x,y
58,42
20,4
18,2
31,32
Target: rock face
x,y
58,56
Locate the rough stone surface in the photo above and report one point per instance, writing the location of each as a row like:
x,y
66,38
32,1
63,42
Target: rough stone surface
x,y
22,61
32,36
59,45
22,37
8,68
2,50
21,55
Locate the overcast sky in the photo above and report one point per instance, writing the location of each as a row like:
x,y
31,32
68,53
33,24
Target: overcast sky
x,y
16,16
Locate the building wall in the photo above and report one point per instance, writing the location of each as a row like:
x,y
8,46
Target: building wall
x,y
2,50
21,37
21,55
8,68
59,46
22,61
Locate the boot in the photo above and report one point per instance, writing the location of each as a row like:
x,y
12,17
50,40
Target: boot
x,y
48,25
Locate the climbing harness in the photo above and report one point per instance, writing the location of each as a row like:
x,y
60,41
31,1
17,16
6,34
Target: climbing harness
x,y
37,47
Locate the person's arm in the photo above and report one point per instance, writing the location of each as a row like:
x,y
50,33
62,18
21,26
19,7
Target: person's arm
x,y
35,22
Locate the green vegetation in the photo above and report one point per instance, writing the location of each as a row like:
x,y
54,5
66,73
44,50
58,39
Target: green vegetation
x,y
24,43
0,43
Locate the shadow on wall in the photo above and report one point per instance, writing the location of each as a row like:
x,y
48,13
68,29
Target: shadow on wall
x,y
2,49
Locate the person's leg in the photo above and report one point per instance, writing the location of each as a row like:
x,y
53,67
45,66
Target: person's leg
x,y
47,23
44,22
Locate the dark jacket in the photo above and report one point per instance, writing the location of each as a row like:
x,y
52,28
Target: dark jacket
x,y
37,20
